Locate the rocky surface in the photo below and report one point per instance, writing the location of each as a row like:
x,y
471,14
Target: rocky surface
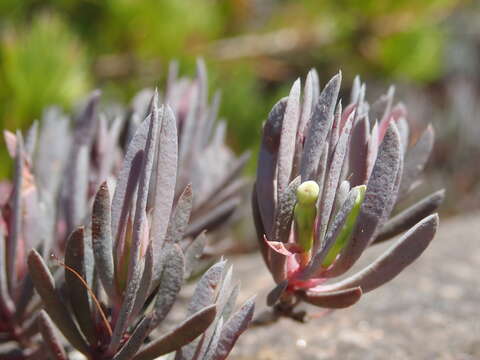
x,y
430,311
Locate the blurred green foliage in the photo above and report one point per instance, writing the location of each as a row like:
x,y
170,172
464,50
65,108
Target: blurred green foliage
x,y
55,51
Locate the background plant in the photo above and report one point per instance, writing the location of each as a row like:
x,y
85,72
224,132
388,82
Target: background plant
x,y
252,49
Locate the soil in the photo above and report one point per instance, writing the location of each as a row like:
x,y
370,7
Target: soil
x,y
430,311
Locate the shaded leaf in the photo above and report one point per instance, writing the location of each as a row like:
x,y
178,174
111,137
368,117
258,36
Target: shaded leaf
x,y
415,160
333,300
135,341
165,182
53,303
79,257
410,216
171,281
379,189
193,254
52,342
319,126
233,328
276,293
284,216
102,239
181,335
267,164
180,216
408,248
287,138
205,290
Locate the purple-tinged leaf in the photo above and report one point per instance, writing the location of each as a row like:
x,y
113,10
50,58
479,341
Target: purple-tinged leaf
x,y
381,108
171,79
214,217
267,164
372,149
128,177
392,199
306,113
14,243
276,293
25,298
77,187
355,92
379,190
110,153
52,342
204,294
316,86
287,138
102,239
202,80
212,346
415,160
319,127
284,216
6,303
11,143
183,334
219,134
54,144
406,250
233,328
125,215
358,152
233,173
85,124
129,297
341,195
410,216
79,257
336,128
135,341
308,102
180,217
140,237
334,300
189,128
332,179
234,189
165,181
227,306
145,283
171,280
211,118
322,167
403,130
31,139
193,255
144,182
257,220
226,298
53,303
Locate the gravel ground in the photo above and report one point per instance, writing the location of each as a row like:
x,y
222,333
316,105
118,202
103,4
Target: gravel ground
x,y
430,311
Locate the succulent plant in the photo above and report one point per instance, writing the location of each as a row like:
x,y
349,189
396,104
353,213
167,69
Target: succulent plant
x,y
327,183
124,271
204,160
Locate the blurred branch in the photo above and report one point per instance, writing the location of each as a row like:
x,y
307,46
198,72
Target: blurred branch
x,y
273,43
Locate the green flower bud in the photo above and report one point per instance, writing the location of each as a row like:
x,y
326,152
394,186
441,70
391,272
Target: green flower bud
x,y
305,213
